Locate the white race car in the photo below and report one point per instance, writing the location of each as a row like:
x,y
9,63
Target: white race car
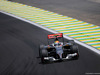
x,y
58,51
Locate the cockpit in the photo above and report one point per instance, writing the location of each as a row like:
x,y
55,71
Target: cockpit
x,y
57,44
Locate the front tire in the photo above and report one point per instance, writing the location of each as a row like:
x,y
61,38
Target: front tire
x,y
40,48
74,49
43,53
42,60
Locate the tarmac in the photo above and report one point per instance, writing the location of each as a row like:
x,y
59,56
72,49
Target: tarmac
x,y
97,1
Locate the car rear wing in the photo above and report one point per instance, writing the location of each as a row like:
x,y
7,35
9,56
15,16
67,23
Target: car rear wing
x,y
53,36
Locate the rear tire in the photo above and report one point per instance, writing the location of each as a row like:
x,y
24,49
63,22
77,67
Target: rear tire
x,y
44,53
71,41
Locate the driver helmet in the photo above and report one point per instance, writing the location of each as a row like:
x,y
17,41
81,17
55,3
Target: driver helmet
x,y
57,43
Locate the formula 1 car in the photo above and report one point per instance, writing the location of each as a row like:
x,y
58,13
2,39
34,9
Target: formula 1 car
x,y
58,51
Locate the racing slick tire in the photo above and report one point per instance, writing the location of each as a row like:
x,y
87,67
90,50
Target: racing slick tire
x,y
43,53
40,48
71,41
74,49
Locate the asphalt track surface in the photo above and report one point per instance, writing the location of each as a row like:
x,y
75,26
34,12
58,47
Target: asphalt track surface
x,y
19,42
84,10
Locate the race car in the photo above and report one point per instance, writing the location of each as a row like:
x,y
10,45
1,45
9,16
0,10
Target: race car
x,y
58,51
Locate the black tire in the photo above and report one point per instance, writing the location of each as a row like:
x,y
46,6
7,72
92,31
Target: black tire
x,y
71,41
40,48
74,48
43,53
42,60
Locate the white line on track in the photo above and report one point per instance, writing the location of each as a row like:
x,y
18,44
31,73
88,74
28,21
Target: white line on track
x,y
40,26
